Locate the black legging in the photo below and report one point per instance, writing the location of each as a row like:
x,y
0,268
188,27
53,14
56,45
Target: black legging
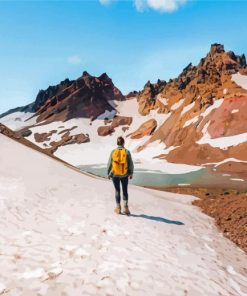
x,y
124,181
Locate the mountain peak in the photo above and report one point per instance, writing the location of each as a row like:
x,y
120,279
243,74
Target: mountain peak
x,y
105,78
217,48
85,73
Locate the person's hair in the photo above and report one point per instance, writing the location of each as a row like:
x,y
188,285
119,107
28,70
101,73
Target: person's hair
x,y
120,141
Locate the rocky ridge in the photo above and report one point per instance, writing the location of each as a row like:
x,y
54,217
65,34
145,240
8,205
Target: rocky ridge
x,y
188,97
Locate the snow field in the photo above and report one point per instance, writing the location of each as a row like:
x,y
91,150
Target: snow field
x,y
59,236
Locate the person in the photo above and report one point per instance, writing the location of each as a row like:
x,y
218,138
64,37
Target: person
x,y
120,168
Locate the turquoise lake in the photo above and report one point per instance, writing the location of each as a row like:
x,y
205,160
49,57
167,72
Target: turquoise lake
x,y
202,177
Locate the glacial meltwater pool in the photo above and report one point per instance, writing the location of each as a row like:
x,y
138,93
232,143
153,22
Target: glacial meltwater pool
x,y
203,177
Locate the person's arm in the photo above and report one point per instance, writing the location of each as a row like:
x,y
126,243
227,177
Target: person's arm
x,y
109,165
130,165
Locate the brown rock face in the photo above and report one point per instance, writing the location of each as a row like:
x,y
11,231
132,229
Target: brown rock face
x,y
196,154
105,131
121,120
43,137
67,139
147,98
229,118
117,121
239,151
233,167
132,94
146,129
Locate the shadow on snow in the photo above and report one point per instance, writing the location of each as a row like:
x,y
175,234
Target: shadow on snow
x,y
158,219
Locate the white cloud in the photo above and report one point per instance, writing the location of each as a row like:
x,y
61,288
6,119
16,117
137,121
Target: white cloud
x,y
140,5
159,5
105,2
74,60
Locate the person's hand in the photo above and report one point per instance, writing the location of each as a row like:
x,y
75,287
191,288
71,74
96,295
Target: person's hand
x,y
130,177
109,177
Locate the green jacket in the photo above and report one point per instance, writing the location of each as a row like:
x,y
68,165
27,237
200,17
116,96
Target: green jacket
x,y
129,160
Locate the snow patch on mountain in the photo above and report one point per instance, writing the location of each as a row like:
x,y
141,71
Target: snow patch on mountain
x,y
240,80
18,120
164,101
187,108
107,114
216,104
230,159
177,105
191,121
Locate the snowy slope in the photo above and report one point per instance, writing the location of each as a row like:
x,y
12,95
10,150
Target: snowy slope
x,y
18,120
241,80
59,236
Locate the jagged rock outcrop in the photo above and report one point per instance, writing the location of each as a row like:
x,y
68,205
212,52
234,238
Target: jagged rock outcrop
x,y
52,91
43,137
86,97
146,129
132,94
147,98
67,139
114,123
211,78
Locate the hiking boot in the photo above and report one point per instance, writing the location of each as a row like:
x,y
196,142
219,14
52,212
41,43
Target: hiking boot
x,y
117,210
126,211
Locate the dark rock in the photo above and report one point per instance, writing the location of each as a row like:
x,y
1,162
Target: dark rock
x,y
217,48
26,133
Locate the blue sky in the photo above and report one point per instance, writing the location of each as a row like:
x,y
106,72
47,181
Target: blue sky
x,y
44,42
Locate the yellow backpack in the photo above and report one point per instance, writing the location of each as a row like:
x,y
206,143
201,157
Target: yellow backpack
x,y
119,162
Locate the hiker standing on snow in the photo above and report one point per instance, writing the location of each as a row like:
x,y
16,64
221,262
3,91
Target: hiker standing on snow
x,y
120,168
